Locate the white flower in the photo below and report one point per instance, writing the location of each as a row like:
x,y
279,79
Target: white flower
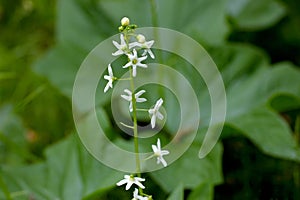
x,y
136,196
142,43
135,62
160,153
155,112
125,21
129,180
128,97
122,47
110,77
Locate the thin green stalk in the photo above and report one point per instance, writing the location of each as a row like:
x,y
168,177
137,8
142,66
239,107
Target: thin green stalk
x,y
135,131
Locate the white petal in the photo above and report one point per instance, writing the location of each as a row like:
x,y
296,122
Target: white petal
x,y
150,43
128,92
154,148
116,44
108,85
117,53
163,161
130,106
159,102
153,120
134,53
122,39
151,111
134,44
107,77
142,65
141,100
164,152
139,179
129,184
110,72
159,115
158,144
122,182
139,93
142,58
140,185
134,70
127,65
127,98
135,193
151,54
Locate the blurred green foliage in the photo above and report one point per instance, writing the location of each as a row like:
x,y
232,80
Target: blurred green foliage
x,y
255,44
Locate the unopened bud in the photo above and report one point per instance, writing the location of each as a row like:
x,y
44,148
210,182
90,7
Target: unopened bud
x,y
125,21
140,38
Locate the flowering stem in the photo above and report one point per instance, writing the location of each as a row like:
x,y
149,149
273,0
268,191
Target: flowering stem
x,y
135,131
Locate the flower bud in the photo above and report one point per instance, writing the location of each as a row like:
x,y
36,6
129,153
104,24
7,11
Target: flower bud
x,y
140,38
125,21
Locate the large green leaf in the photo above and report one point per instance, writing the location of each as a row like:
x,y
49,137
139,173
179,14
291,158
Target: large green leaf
x,y
177,194
68,173
255,14
269,132
204,191
190,171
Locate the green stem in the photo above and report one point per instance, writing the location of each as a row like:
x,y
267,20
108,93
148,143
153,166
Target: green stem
x,y
135,131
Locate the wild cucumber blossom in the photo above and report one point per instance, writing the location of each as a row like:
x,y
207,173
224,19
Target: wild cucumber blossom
x,y
135,62
122,47
136,195
110,77
155,112
128,97
129,180
160,153
142,43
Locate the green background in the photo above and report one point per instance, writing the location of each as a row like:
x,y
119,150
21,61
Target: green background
x,y
256,46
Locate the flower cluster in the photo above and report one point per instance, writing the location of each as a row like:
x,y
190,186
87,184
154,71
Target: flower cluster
x,y
137,49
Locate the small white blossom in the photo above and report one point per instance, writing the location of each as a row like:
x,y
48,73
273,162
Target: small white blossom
x,y
142,43
122,47
155,112
129,180
110,77
128,97
125,21
160,153
136,195
135,62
